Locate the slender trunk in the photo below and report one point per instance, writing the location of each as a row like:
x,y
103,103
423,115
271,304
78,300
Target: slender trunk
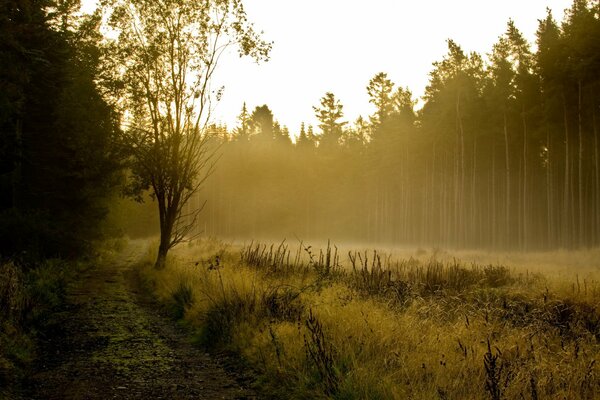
x,y
376,236
581,240
597,175
549,192
494,210
473,197
507,188
455,220
524,214
442,193
461,189
434,233
519,204
307,215
566,203
425,207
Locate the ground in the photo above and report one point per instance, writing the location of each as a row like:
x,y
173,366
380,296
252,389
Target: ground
x,y
115,342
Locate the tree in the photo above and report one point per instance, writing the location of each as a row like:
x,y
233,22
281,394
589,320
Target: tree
x,y
380,95
526,89
356,136
57,128
547,69
328,115
306,140
281,134
451,101
242,132
164,58
262,121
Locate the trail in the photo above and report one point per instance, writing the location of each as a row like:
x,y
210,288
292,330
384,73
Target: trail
x,y
114,343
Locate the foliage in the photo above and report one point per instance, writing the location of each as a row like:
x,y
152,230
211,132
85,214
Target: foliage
x,y
162,64
503,153
57,135
328,114
29,298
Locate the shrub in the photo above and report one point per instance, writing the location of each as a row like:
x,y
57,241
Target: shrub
x,y
182,299
29,298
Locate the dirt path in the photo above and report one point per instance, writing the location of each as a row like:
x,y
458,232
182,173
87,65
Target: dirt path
x,y
114,343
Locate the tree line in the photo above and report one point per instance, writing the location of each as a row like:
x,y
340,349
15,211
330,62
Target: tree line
x,y
116,102
502,154
60,162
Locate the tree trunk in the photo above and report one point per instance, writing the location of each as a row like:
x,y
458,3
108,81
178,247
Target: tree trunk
x,y
519,205
494,211
161,259
524,213
461,195
549,193
473,204
507,188
581,239
596,209
566,203
167,220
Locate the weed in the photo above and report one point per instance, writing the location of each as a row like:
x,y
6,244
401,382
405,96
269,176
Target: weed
x,y
493,373
533,388
327,264
11,292
497,275
182,300
272,259
321,353
317,328
283,304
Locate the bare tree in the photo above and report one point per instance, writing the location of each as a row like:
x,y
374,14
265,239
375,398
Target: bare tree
x,y
163,58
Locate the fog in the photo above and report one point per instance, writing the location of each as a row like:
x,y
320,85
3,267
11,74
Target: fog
x,y
503,155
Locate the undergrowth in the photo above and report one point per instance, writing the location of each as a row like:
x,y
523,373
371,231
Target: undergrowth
x,y
315,324
28,299
32,291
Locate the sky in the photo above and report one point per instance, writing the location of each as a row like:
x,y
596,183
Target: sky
x,y
337,46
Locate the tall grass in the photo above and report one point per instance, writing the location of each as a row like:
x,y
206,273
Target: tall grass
x,y
316,325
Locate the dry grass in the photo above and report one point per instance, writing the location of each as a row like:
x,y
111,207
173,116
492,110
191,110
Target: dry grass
x,y
318,325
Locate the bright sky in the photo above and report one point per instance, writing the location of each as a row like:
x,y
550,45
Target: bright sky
x,y
339,45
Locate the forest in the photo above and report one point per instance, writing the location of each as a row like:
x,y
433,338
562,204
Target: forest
x,y
502,154
116,183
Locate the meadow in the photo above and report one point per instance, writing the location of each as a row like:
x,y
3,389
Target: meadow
x,y
420,324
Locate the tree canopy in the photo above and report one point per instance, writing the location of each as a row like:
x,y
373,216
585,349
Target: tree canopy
x,y
164,59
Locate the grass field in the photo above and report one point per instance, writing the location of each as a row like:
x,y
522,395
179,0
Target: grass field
x,y
422,324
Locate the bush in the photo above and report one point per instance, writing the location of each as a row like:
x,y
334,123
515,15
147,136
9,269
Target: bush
x,y
11,292
29,296
182,300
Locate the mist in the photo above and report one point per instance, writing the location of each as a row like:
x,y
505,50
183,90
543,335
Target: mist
x,y
502,155
437,247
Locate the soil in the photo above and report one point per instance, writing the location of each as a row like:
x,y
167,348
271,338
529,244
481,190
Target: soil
x,y
115,342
